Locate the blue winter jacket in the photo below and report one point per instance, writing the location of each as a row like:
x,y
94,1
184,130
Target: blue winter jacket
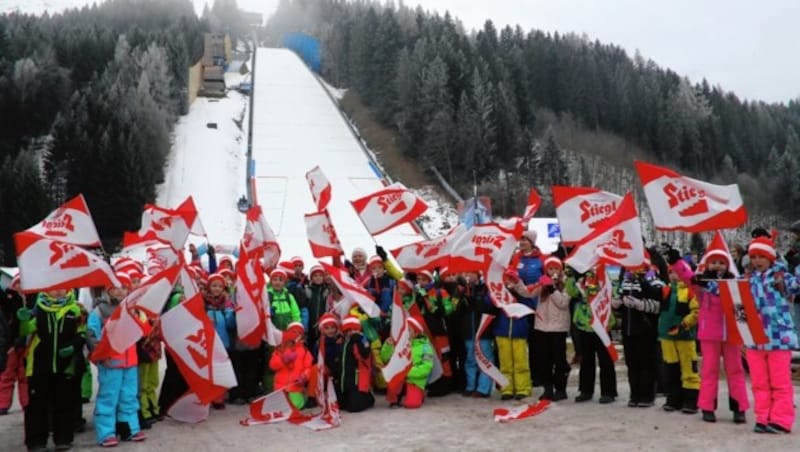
x,y
530,269
774,308
505,326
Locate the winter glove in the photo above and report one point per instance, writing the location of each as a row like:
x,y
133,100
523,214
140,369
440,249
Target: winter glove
x,y
301,380
289,356
24,314
381,252
633,303
66,352
349,266
211,251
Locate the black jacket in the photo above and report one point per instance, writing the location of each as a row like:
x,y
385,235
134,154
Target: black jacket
x,y
637,322
474,303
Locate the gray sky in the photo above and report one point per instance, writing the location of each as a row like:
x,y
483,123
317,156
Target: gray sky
x,y
746,46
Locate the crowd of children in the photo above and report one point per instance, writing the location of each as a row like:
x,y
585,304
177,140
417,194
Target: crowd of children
x,y
663,308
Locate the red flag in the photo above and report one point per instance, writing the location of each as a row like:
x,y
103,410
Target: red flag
x,y
258,235
320,188
188,211
159,225
330,416
271,408
389,207
46,264
71,223
161,257
601,314
534,202
250,284
127,264
189,409
395,371
193,343
124,328
484,364
479,245
742,319
322,236
427,254
581,209
616,240
680,203
520,412
352,291
500,296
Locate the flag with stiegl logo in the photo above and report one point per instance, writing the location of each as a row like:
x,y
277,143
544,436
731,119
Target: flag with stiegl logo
x,y
322,236
388,207
320,187
581,209
70,223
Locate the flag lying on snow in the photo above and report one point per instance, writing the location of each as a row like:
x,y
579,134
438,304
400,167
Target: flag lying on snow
x,y
388,207
520,412
601,314
70,223
258,236
250,284
352,291
616,240
320,188
500,296
330,417
269,409
46,264
680,203
427,254
742,319
484,364
475,248
322,236
160,225
534,202
189,409
581,209
193,343
124,327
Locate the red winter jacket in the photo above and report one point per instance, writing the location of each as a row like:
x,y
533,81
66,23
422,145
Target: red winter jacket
x,y
291,364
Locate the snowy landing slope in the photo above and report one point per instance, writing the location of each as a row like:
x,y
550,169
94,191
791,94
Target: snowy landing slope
x,y
296,126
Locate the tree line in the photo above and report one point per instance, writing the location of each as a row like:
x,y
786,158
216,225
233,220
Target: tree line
x,y
493,102
88,99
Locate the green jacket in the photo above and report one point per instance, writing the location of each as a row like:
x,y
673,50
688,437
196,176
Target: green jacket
x,y
678,317
421,360
283,308
57,334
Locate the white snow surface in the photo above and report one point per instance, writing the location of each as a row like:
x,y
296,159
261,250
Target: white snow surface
x,y
296,126
210,164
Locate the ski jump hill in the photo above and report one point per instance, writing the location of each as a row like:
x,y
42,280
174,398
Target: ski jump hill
x,y
296,126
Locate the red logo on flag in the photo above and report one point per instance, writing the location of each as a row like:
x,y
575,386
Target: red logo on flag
x,y
617,242
62,251
59,225
391,200
198,349
680,195
594,213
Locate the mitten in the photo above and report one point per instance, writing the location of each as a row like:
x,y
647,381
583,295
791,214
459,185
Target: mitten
x,y
381,252
24,314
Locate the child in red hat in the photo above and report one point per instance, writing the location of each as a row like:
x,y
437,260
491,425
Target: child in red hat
x,y
770,364
353,382
550,331
291,362
422,354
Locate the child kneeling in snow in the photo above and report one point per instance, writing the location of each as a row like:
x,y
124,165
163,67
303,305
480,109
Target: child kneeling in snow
x,y
291,362
421,364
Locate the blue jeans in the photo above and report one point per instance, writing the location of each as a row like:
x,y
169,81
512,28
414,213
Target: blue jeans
x,y
473,372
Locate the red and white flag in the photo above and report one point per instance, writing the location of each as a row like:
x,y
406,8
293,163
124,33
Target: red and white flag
x,y
271,408
395,371
484,364
250,284
258,235
742,319
161,257
189,409
71,223
124,327
320,188
500,295
330,417
616,240
193,343
46,264
187,282
389,207
534,202
322,236
601,314
159,225
352,291
680,203
126,264
427,254
188,211
481,244
581,209
520,412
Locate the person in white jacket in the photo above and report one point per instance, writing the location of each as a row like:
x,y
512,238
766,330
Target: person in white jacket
x,y
550,332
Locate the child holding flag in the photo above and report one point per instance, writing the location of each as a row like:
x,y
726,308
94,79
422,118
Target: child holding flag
x,y
352,382
770,364
291,362
422,354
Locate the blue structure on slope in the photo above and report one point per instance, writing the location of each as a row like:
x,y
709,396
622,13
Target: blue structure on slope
x,y
307,47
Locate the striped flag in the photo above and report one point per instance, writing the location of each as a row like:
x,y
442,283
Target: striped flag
x,y
742,319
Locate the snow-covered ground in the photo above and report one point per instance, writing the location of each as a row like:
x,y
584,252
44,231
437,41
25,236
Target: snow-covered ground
x,y
210,163
296,127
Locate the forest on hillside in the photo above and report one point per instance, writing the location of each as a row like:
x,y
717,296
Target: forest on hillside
x,y
89,98
520,108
